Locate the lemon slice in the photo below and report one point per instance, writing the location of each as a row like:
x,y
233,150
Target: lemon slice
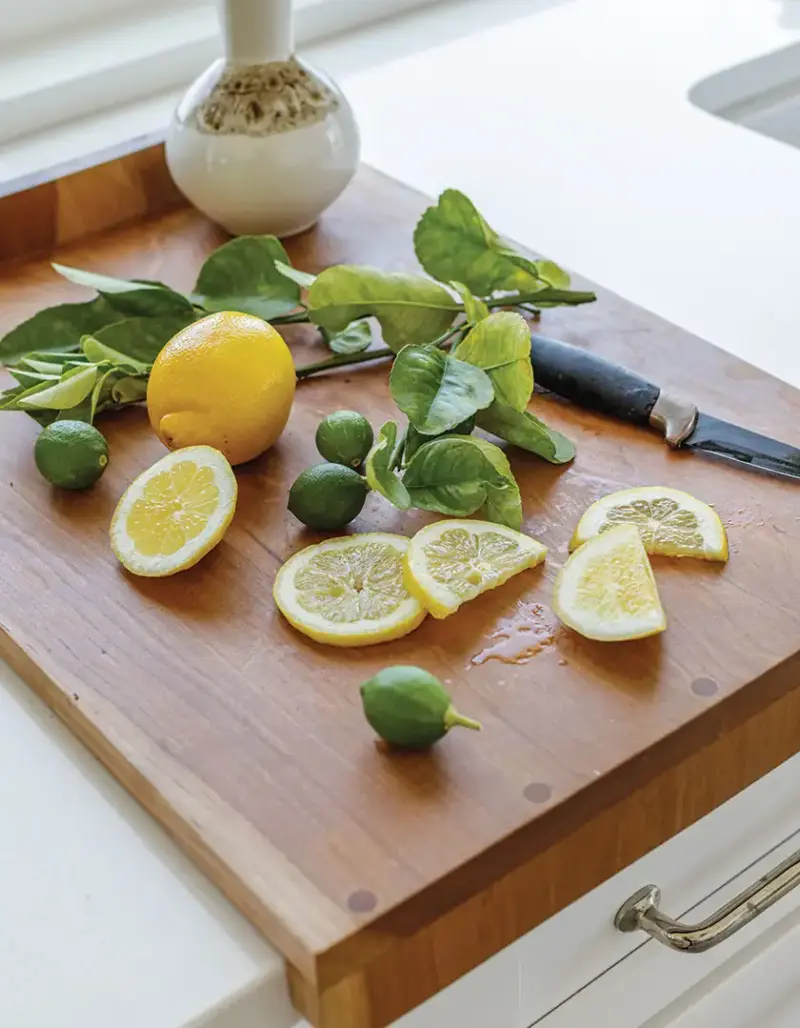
x,y
607,590
450,562
670,522
175,512
349,591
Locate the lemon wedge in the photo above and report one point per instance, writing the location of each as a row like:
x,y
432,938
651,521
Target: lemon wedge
x,y
175,512
450,562
349,591
607,590
670,522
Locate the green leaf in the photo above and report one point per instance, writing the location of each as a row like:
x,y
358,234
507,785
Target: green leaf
x,y
102,397
503,501
353,339
73,387
501,345
31,378
549,272
43,417
41,367
474,308
81,412
9,398
525,430
97,351
140,339
129,389
415,439
100,283
241,276
410,308
504,505
149,302
17,398
303,278
57,328
436,391
380,465
101,393
453,242
132,298
459,475
447,476
53,358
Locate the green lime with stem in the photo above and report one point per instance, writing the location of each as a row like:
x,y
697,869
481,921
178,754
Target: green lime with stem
x,y
409,707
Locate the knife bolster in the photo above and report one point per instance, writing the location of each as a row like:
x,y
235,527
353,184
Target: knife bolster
x,y
674,417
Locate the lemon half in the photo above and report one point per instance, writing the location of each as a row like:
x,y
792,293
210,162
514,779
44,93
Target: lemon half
x,y
607,590
450,562
349,591
175,512
670,522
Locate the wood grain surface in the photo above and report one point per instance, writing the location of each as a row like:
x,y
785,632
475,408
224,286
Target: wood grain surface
x,y
382,877
67,204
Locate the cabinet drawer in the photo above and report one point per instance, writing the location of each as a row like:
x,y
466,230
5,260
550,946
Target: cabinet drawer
x,y
696,870
758,988
656,987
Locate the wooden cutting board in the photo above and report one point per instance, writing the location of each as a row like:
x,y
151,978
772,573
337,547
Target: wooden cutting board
x,y
384,876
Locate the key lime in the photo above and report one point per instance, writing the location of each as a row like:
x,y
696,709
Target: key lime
x,y
409,707
71,454
327,496
344,437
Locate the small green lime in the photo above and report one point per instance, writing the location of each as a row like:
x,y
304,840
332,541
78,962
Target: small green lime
x,y
410,707
71,454
344,437
327,496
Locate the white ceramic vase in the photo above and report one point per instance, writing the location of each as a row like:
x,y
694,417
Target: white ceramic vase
x,y
262,142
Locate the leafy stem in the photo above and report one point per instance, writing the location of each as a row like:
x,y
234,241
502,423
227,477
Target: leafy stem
x,y
343,360
346,359
569,297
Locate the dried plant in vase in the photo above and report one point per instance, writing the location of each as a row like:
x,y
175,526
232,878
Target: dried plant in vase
x,y
262,142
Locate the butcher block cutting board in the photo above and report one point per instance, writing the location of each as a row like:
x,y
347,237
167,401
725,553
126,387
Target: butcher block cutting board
x,y
383,876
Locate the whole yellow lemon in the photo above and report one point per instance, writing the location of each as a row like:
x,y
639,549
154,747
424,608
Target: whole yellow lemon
x,y
225,381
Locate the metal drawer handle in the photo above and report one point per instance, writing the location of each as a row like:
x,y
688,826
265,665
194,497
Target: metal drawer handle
x,y
640,911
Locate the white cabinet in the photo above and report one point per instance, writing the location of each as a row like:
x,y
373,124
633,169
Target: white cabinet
x,y
758,988
650,985
577,971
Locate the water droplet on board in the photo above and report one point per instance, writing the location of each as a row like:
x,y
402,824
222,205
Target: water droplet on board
x,y
520,637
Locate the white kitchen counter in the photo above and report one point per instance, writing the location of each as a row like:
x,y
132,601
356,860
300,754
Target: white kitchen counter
x,y
569,124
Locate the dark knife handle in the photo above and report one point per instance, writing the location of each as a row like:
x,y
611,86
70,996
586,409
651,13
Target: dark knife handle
x,y
591,381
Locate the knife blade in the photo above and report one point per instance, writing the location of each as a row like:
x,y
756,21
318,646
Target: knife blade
x,y
598,384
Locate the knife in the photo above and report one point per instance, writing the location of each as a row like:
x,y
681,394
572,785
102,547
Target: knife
x,y
593,382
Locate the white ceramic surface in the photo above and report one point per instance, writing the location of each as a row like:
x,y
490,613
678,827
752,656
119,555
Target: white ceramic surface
x,y
262,142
